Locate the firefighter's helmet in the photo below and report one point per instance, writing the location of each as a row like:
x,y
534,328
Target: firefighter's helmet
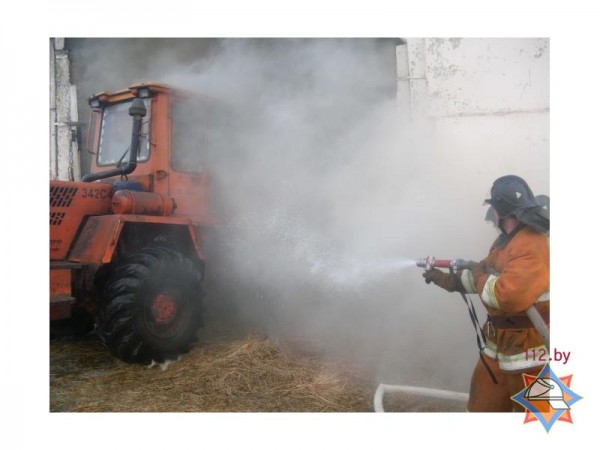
x,y
510,194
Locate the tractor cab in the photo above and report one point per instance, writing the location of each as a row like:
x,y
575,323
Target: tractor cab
x,y
178,135
127,242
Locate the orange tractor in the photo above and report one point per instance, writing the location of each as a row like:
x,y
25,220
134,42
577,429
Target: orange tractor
x,y
126,243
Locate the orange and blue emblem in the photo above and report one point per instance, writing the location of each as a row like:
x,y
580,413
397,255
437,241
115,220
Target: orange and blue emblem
x,y
547,398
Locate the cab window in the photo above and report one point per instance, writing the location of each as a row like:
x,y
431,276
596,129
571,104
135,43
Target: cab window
x,y
115,135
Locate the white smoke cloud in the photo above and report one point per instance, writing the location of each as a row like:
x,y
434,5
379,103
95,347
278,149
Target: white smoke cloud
x,y
329,195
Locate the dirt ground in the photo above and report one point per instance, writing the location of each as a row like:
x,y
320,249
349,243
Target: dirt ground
x,y
251,373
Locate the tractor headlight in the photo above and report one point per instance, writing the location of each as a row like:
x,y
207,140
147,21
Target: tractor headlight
x,y
95,103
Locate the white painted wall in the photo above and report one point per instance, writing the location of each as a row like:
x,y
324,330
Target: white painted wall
x,y
487,101
64,148
486,76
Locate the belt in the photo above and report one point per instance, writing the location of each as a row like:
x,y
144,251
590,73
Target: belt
x,y
515,321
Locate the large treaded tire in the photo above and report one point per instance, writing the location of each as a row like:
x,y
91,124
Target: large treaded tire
x,y
151,307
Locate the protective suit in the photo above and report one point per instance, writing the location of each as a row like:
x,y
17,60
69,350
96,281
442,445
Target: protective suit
x,y
513,277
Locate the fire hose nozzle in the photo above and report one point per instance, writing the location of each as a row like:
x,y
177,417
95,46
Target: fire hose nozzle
x,y
454,264
426,263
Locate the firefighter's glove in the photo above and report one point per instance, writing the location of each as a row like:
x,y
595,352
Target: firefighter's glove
x,y
444,280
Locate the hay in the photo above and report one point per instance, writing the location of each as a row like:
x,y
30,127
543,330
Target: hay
x,y
251,374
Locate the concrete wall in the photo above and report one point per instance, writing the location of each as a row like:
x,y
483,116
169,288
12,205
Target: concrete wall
x,y
483,76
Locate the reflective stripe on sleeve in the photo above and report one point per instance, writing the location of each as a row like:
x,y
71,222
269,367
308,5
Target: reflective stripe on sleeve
x,y
488,295
466,278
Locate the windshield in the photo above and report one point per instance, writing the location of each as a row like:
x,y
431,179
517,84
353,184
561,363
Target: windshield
x,y
115,135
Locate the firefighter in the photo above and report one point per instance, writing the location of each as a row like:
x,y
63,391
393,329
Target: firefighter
x,y
512,278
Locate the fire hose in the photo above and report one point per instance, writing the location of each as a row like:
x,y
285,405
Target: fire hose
x,y
425,392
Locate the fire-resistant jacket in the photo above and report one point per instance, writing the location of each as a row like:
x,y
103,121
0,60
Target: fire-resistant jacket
x,y
517,277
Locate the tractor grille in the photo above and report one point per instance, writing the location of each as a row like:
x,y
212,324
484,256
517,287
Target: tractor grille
x,y
61,196
56,218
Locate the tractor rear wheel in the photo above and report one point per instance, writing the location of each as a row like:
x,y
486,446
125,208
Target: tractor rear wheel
x,y
152,306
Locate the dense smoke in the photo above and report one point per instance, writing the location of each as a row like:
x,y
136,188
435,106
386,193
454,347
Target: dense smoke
x,y
327,192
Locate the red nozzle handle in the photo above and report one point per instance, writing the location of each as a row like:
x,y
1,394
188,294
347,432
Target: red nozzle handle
x,y
444,263
431,262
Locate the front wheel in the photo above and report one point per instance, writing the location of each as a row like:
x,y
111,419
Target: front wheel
x,y
152,306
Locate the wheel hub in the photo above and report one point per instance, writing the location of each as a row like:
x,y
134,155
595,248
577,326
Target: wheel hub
x,y
164,309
